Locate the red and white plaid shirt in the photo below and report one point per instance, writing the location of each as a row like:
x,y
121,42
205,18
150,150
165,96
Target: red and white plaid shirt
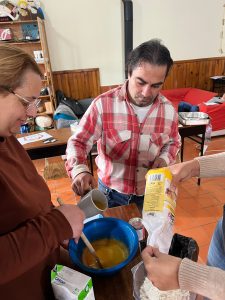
x,y
126,148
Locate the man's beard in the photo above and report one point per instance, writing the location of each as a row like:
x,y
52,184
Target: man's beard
x,y
144,101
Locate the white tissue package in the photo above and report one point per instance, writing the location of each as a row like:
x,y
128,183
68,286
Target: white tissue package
x,y
159,208
69,284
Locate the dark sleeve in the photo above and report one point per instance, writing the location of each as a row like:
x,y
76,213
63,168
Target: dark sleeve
x,y
25,247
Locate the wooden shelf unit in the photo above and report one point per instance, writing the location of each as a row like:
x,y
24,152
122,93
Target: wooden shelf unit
x,y
18,39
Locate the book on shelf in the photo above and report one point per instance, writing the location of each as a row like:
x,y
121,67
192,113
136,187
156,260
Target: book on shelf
x,y
193,118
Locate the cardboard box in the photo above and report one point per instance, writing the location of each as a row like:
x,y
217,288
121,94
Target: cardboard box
x,y
69,284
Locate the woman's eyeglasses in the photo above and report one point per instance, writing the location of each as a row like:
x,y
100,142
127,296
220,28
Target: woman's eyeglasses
x,y
28,104
34,103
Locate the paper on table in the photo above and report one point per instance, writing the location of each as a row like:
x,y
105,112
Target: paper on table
x,y
214,101
211,103
218,77
34,138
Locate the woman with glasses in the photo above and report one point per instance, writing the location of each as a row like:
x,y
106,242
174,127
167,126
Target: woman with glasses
x,y
31,228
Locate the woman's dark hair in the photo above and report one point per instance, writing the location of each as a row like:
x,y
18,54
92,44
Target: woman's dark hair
x,y
152,52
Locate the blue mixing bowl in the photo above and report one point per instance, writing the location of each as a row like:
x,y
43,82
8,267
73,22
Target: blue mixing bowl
x,y
105,228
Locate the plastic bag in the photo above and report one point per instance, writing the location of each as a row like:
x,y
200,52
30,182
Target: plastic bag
x,y
159,209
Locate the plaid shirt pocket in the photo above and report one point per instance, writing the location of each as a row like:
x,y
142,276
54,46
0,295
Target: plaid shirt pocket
x,y
118,144
159,139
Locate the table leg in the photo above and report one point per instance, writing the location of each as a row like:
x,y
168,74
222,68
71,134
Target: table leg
x,y
91,164
182,149
202,152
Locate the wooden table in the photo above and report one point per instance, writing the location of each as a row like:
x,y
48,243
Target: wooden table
x,y
120,285
37,150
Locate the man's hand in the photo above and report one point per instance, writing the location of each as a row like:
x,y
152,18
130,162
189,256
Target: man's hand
x,y
162,269
83,183
159,163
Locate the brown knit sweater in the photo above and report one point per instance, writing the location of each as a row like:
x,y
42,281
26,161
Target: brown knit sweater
x,y
198,278
30,228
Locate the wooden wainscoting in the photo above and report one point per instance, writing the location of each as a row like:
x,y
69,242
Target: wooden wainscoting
x,y
78,84
107,88
85,83
194,73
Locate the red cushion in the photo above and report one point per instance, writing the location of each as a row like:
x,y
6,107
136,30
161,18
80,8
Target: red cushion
x,y
197,96
175,94
216,113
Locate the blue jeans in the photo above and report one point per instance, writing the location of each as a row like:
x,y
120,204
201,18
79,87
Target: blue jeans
x,y
187,107
116,198
216,254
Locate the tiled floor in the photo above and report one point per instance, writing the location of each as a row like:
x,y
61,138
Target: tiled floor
x,y
198,207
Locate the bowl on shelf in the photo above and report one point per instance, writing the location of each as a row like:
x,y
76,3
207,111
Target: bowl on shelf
x,y
105,228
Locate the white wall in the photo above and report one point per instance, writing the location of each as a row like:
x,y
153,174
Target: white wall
x,y
89,33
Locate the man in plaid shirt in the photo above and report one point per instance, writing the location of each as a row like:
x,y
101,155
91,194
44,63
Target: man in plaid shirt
x,y
135,127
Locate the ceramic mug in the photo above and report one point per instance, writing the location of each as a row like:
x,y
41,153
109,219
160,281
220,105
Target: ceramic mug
x,y
93,203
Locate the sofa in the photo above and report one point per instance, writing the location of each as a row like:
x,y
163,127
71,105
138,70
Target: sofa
x,y
200,97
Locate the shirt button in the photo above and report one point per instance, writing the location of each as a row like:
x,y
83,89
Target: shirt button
x,y
137,170
141,133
